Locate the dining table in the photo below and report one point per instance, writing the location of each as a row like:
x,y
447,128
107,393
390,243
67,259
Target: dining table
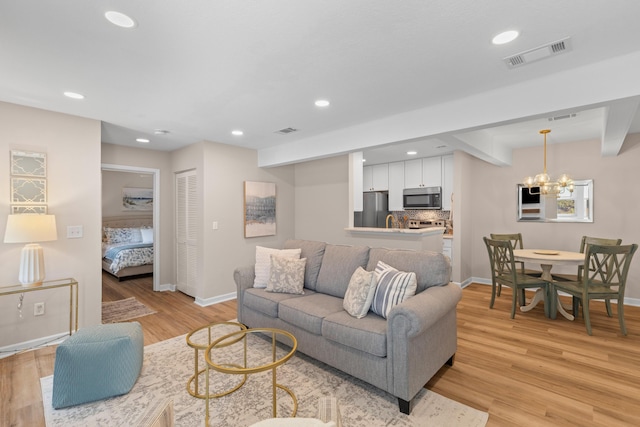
x,y
547,258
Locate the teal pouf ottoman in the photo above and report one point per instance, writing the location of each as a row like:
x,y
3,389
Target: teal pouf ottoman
x,y
97,362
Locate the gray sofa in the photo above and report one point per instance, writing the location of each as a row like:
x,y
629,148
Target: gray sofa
x,y
398,354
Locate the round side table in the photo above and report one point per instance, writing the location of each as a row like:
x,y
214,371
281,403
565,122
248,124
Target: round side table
x,y
200,339
275,359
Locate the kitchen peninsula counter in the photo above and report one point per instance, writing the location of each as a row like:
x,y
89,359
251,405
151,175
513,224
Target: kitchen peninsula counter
x,y
403,238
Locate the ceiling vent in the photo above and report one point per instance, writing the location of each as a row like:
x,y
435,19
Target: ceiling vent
x,y
286,131
542,52
566,116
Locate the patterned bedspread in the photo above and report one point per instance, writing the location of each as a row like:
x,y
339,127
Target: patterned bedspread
x,y
127,255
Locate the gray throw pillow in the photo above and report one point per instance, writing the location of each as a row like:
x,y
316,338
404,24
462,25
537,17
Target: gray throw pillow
x,y
357,299
287,275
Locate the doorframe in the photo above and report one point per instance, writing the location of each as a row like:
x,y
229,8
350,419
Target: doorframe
x,y
156,211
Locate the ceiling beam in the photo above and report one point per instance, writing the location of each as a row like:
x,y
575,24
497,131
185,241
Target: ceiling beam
x,y
618,118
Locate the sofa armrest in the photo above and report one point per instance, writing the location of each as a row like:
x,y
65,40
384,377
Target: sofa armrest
x,y
421,337
419,312
244,277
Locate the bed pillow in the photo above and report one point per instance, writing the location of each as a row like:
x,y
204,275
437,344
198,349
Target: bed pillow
x,y
122,235
263,263
287,275
357,299
147,235
393,288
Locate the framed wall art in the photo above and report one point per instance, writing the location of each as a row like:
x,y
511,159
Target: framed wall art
x,y
27,163
259,209
28,209
28,190
137,199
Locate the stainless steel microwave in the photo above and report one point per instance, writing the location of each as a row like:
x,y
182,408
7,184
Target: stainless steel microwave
x,y
422,198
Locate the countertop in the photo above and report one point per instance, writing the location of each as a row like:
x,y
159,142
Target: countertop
x,y
422,232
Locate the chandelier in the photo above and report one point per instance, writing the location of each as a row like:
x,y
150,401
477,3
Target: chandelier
x,y
543,182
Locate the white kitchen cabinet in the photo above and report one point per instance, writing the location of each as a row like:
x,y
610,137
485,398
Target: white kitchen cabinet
x,y
425,172
447,248
375,177
396,185
447,181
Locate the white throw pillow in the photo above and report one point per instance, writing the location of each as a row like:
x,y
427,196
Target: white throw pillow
x,y
287,275
393,287
263,263
362,287
147,235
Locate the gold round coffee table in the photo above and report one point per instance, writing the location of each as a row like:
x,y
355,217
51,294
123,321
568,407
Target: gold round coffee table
x,y
196,340
275,359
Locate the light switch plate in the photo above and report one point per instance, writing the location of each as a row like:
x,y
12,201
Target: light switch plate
x,y
74,231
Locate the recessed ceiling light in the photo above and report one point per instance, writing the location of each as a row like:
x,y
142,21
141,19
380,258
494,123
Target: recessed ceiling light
x,y
160,132
412,153
143,140
74,95
120,19
364,160
237,132
505,37
322,103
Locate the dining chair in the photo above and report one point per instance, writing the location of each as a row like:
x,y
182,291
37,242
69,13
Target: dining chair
x,y
516,242
586,240
504,273
604,276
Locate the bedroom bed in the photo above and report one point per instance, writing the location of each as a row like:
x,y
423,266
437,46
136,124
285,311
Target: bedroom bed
x,y
127,246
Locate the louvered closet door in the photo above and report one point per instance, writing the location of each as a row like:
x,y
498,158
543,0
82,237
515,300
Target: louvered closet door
x,y
186,232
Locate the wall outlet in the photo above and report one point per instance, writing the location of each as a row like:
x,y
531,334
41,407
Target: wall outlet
x,y
38,309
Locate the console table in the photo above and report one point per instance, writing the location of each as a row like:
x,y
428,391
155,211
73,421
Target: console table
x,y
72,284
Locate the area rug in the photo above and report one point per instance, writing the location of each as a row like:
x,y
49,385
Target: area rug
x,y
123,310
168,365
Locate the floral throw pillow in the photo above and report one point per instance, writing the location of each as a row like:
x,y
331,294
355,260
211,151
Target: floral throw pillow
x,y
122,235
287,275
263,263
393,287
357,299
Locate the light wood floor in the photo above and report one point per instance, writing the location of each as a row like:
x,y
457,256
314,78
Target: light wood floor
x,y
530,371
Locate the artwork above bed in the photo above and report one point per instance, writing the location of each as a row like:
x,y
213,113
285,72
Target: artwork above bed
x,y
127,246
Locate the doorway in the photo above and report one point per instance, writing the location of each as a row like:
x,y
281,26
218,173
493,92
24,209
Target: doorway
x,y
155,177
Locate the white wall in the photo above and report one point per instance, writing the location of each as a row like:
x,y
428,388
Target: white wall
x,y
222,170
112,184
73,192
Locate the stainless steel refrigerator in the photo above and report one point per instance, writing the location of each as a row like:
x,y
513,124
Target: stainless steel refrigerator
x,y
375,209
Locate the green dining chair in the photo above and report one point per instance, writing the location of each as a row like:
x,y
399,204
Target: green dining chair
x,y
604,276
586,240
516,242
504,273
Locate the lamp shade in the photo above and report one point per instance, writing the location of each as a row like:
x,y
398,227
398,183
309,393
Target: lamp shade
x,y
29,228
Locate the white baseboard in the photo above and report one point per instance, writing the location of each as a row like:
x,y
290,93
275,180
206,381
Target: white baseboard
x,y
168,287
10,350
204,302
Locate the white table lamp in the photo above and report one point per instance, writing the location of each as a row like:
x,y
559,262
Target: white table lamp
x,y
30,229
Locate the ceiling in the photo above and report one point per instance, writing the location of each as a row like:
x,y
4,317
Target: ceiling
x,y
399,75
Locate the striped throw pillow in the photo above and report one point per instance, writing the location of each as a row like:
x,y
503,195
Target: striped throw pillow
x,y
393,287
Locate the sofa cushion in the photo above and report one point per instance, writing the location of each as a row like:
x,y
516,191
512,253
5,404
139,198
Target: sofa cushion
x,y
263,263
357,299
338,265
368,334
266,302
308,312
393,287
431,268
313,251
287,275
